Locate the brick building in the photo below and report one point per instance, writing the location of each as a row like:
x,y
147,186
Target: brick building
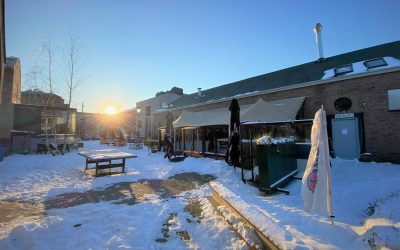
x,y
38,97
12,81
10,96
359,90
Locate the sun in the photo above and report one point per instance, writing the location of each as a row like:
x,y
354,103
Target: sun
x,y
110,110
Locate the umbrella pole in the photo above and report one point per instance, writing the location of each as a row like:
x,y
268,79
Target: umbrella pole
x,y
241,160
251,156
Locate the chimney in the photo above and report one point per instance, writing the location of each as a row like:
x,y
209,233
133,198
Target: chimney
x,y
199,92
318,37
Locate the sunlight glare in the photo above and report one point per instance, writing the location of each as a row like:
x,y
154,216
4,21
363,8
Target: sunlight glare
x,y
111,110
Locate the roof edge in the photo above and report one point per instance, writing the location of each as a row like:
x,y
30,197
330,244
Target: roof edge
x,y
294,86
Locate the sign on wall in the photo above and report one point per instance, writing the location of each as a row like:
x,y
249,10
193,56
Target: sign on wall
x,y
344,115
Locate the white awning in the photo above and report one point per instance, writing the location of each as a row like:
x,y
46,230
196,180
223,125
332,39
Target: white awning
x,y
261,111
275,111
203,118
213,117
186,119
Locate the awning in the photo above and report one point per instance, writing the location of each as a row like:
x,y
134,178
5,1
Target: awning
x,y
275,111
261,111
186,119
213,117
203,118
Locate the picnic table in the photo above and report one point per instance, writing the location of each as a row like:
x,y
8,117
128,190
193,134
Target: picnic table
x,y
103,159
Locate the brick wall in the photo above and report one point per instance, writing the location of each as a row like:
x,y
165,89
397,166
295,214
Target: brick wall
x,y
368,95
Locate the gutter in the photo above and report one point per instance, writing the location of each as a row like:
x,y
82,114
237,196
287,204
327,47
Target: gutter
x,y
290,87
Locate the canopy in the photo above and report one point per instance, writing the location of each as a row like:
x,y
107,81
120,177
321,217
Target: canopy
x,y
202,118
275,111
261,111
186,119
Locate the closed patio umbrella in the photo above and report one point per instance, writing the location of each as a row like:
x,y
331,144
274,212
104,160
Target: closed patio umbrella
x,y
316,184
232,156
168,137
169,127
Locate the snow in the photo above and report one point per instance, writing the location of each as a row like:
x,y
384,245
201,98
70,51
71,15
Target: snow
x,y
235,96
359,67
106,154
365,198
287,121
268,140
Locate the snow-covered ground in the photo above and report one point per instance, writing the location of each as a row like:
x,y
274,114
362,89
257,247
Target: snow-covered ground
x,y
366,198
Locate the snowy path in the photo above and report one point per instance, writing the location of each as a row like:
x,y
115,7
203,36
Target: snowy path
x,y
366,197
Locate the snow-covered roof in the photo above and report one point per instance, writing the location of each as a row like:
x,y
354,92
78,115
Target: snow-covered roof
x,y
359,67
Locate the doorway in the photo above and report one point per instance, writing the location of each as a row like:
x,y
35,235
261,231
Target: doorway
x,y
346,137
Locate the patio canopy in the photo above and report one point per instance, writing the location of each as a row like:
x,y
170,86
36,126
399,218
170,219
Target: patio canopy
x,y
186,119
261,111
202,118
275,111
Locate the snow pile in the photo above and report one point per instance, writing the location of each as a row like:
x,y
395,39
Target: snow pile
x,y
281,237
268,140
382,227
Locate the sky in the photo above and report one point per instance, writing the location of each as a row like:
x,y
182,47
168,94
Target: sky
x,y
133,49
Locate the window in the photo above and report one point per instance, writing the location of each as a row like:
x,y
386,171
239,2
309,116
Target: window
x,y
148,111
343,69
394,99
343,104
378,62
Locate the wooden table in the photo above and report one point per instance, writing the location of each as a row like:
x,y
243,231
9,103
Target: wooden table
x,y
103,159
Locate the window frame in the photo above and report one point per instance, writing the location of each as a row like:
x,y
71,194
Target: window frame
x,y
393,105
335,71
376,66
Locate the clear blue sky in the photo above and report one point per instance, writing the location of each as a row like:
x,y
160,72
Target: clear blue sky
x,y
136,48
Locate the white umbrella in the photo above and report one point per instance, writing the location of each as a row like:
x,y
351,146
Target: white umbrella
x,y
316,184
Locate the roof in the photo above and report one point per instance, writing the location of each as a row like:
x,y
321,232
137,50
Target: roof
x,y
303,73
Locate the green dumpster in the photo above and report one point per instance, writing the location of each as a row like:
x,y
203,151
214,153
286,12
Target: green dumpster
x,y
276,165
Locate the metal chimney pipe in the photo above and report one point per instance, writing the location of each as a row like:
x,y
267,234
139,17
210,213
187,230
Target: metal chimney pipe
x,y
318,37
199,92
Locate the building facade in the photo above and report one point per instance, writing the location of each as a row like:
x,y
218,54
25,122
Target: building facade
x,y
12,81
10,95
360,92
38,97
2,46
40,119
146,109
5,108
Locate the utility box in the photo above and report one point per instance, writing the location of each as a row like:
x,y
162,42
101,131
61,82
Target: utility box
x,y
276,165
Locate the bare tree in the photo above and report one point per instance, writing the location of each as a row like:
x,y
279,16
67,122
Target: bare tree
x,y
32,78
48,55
74,62
40,79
